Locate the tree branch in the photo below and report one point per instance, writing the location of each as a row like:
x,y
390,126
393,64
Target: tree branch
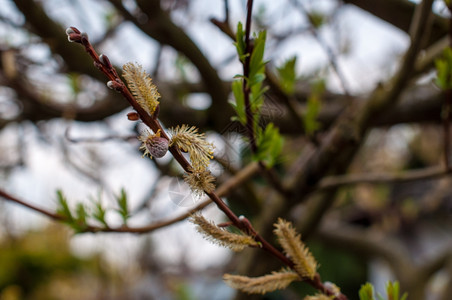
x,y
376,178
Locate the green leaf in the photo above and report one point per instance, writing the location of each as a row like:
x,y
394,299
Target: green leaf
x,y
287,75
123,209
257,99
99,212
316,19
240,42
269,145
310,117
63,207
80,224
393,291
366,292
256,79
444,70
81,214
313,107
239,105
257,65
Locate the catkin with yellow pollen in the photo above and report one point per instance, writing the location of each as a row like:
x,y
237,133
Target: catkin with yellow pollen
x,y
189,140
141,87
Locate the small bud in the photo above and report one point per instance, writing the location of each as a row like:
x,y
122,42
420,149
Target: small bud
x,y
105,61
75,30
157,146
69,31
73,34
73,37
114,85
84,39
133,116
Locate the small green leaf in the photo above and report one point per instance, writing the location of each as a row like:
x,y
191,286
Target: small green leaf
x,y
393,291
81,214
257,65
269,145
239,105
99,212
123,209
316,19
310,117
257,98
313,108
287,75
240,42
366,292
80,224
444,70
63,207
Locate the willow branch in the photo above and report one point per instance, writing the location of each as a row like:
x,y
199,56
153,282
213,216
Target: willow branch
x,y
36,208
223,190
115,82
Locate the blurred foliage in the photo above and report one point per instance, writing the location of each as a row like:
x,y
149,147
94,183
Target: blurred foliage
x,y
313,107
269,142
40,265
287,75
444,70
392,292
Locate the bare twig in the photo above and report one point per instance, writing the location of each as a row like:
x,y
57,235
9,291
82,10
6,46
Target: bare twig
x,y
327,49
232,183
40,210
375,178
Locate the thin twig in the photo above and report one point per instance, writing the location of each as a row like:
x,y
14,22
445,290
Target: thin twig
x,y
223,190
447,107
327,49
40,210
376,178
226,11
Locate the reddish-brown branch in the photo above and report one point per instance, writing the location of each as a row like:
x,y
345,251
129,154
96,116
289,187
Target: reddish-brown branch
x,y
45,212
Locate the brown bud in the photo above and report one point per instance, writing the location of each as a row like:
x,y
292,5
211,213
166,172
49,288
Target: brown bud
x,y
133,116
157,146
105,61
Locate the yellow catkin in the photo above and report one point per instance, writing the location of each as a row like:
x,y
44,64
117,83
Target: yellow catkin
x,y
189,140
220,236
263,284
305,263
141,86
200,181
